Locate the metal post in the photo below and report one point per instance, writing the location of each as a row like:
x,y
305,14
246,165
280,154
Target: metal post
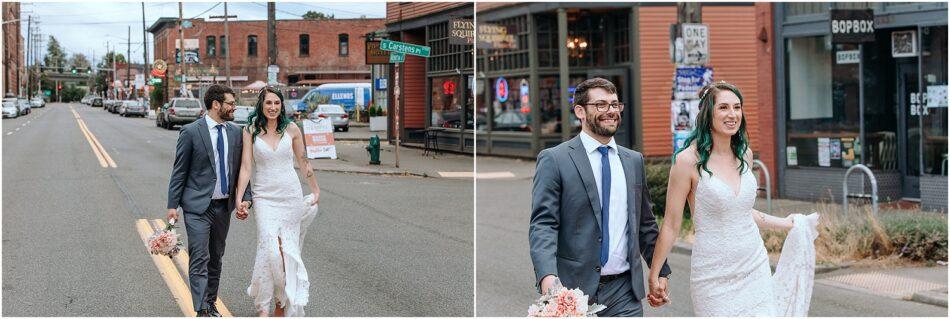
x,y
145,72
564,74
29,41
861,104
873,195
181,49
768,183
226,45
396,112
128,63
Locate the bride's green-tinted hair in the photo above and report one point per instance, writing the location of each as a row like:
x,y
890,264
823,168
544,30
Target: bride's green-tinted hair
x,y
702,131
258,122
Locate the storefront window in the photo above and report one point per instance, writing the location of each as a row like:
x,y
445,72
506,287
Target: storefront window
x,y
446,104
934,87
823,104
550,99
511,110
586,44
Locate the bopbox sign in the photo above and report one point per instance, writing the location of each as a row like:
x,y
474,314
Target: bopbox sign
x,y
852,26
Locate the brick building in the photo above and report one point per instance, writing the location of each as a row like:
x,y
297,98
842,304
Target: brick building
x,y
309,52
12,52
436,92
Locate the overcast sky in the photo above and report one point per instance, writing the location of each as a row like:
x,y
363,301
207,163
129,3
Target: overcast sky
x,y
86,27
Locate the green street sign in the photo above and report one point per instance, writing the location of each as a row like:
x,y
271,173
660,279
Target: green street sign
x,y
396,57
406,48
156,80
47,92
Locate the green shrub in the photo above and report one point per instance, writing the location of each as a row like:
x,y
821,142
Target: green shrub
x,y
658,175
917,236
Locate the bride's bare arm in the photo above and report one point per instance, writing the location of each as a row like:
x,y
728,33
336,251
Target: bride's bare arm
x,y
302,162
247,161
677,192
764,220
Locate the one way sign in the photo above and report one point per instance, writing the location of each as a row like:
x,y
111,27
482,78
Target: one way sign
x,y
695,43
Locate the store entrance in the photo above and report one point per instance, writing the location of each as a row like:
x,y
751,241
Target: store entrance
x,y
620,77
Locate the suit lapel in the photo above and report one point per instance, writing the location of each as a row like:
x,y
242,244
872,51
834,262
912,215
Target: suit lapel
x,y
206,139
232,150
633,200
582,162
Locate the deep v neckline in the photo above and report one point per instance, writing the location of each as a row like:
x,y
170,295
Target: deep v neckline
x,y
274,148
738,190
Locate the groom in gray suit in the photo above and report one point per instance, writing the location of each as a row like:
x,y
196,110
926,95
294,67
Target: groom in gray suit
x,y
590,210
207,160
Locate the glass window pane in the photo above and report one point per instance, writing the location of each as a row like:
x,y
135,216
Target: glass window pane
x,y
304,44
209,46
446,107
252,45
934,86
509,113
224,46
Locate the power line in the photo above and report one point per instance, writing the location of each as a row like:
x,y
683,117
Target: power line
x,y
206,11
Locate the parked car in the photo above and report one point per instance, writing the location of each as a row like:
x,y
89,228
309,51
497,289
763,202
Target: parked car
x,y
25,107
132,108
96,102
37,102
10,109
179,111
114,106
106,103
341,120
241,114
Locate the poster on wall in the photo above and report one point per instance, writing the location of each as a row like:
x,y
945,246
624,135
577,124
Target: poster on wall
x,y
318,138
824,152
683,114
501,90
191,51
836,149
688,80
849,150
679,138
791,155
904,44
937,96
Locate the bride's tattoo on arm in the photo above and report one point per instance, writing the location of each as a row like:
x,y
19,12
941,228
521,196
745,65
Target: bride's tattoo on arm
x,y
310,174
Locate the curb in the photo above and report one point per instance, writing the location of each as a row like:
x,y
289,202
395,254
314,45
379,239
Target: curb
x,y
368,172
932,297
687,249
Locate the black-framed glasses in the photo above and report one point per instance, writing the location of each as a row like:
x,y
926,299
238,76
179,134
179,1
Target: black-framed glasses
x,y
603,106
231,103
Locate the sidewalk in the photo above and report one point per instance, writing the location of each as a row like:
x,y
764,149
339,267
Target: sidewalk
x,y
352,157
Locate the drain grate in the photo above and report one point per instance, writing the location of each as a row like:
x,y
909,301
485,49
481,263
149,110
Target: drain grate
x,y
887,284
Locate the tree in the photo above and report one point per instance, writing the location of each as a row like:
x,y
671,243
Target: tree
x,y
313,15
55,57
106,62
79,61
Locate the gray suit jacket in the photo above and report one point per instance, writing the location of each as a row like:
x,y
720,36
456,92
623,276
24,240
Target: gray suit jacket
x,y
565,231
193,178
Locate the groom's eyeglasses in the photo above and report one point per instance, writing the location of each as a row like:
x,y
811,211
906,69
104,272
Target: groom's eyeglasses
x,y
603,106
231,103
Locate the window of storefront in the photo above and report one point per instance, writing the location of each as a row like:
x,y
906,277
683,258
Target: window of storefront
x,y
252,45
224,46
550,99
509,113
209,46
446,104
823,104
304,44
934,85
344,44
586,43
508,59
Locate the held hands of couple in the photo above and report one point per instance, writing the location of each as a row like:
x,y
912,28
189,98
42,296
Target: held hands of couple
x,y
242,210
658,295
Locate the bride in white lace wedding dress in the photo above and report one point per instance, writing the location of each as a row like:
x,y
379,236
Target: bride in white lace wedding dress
x,y
282,212
729,271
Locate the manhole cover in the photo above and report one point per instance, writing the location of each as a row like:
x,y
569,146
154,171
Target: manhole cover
x,y
887,284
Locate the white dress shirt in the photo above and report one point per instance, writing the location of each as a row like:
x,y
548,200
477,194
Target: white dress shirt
x,y
617,261
218,193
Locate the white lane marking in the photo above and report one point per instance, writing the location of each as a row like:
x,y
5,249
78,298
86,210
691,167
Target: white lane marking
x,y
17,129
9,133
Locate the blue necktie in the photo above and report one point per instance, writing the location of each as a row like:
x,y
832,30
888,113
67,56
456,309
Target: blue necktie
x,y
222,173
604,203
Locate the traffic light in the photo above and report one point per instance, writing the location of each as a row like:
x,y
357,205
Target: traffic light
x,y
59,86
89,71
74,70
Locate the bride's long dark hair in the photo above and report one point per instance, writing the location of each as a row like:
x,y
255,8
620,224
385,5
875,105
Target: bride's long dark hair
x,y
258,122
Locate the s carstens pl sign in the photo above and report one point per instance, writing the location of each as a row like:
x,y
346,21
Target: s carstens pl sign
x,y
852,26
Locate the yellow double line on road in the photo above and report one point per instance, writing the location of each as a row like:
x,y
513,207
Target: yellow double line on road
x,y
104,159
173,278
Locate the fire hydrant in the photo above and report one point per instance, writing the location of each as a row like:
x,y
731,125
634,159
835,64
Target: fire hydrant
x,y
373,149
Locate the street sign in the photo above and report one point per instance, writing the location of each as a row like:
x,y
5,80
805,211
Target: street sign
x,y
272,74
496,36
156,80
461,32
160,65
374,55
695,43
405,48
395,57
848,57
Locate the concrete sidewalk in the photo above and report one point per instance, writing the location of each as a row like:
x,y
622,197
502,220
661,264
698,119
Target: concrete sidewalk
x,y
352,157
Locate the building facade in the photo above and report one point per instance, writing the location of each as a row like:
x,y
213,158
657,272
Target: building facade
x,y
309,52
881,103
12,48
519,110
436,93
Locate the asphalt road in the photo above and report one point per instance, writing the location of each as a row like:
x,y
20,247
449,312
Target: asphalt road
x,y
505,278
382,246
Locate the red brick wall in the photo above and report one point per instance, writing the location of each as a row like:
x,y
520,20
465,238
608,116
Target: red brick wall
x,y
765,59
414,80
11,31
324,45
736,56
400,11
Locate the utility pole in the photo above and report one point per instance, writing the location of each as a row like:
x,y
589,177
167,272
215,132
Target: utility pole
x,y
29,45
18,49
271,34
181,49
225,45
115,91
145,55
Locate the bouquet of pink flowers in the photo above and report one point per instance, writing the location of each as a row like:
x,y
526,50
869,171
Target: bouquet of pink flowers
x,y
563,302
165,242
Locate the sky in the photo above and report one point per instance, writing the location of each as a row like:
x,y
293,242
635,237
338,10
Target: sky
x,y
87,27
